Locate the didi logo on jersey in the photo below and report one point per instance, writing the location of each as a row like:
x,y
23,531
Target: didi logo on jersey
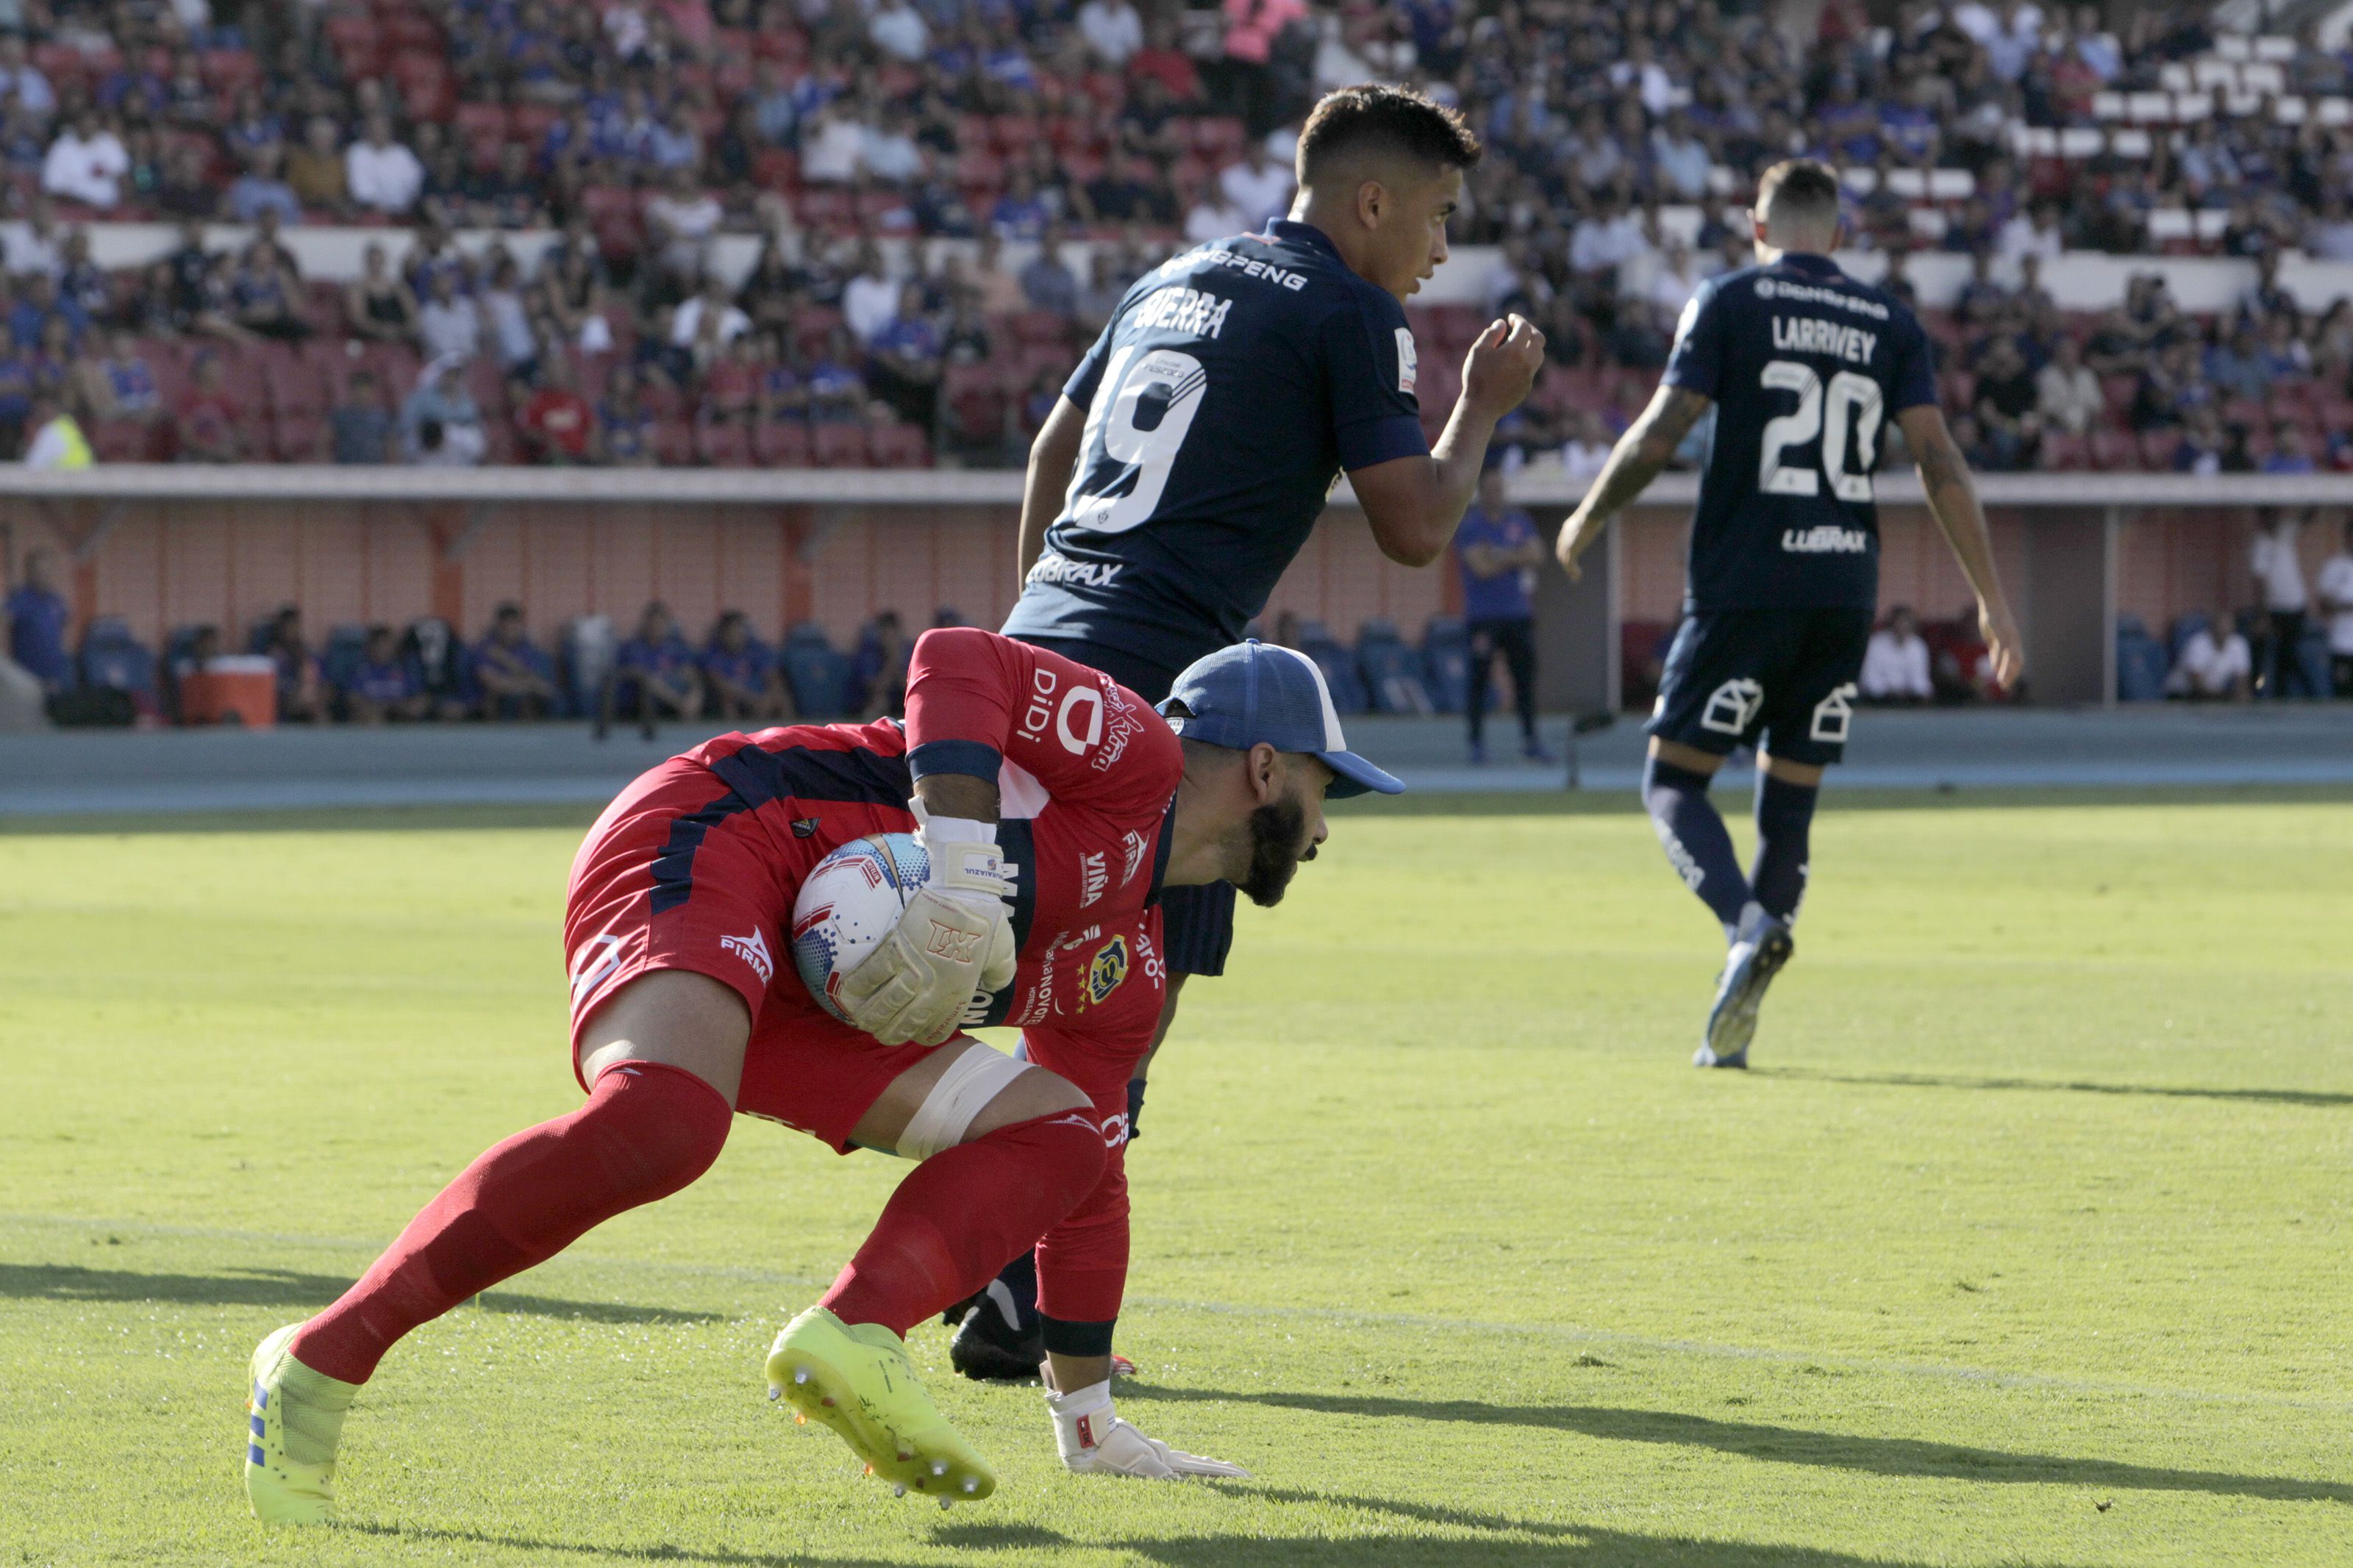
x,y
1106,970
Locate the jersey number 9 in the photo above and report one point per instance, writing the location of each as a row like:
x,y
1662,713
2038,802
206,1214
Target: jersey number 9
x,y
1850,411
1143,408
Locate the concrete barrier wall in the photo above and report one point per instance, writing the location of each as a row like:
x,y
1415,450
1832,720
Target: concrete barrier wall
x,y
162,561
166,563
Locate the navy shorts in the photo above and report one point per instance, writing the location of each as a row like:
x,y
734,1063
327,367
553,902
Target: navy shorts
x,y
1197,923
1781,680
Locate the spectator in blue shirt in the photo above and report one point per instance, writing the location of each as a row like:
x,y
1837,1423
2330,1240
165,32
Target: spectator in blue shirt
x,y
1018,214
2290,453
903,363
657,666
744,681
1499,550
879,669
382,686
36,616
517,680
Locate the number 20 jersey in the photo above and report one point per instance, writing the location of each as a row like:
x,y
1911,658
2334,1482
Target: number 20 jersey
x,y
1223,399
1807,366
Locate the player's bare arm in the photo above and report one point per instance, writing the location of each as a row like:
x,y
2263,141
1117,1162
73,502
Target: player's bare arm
x,y
1415,504
1054,459
1953,501
1646,448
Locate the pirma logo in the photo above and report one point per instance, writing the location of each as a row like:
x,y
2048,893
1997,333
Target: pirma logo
x,y
753,950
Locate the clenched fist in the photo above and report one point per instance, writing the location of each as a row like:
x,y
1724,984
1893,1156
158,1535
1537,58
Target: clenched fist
x,y
1501,365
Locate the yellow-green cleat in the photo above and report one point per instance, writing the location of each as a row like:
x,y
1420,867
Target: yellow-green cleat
x,y
857,1379
294,1417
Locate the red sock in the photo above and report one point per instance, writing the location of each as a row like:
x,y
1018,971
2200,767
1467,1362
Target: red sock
x,y
646,1132
961,1213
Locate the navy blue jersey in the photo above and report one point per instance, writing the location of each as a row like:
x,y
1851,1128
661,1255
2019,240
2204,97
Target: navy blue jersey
x,y
1805,365
1223,399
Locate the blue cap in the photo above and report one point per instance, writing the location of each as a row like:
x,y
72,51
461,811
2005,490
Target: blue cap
x,y
1255,691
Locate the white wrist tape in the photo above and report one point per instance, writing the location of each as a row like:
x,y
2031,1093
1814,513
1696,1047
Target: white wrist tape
x,y
1083,1417
972,1081
962,850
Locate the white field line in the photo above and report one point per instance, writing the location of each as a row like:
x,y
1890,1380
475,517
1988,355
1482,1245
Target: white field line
x,y
1565,1332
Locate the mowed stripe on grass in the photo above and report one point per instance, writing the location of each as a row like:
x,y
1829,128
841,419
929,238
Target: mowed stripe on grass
x,y
2033,1206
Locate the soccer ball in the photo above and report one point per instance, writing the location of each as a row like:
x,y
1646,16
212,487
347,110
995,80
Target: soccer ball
x,y
850,902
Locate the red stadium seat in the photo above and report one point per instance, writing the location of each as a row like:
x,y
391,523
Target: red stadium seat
x,y
531,122
1013,133
122,441
786,46
776,169
674,442
296,387
229,71
297,438
2245,411
1219,138
838,446
1032,329
973,405
812,326
478,128
898,447
408,29
2114,450
780,444
825,207
2063,453
723,444
2157,449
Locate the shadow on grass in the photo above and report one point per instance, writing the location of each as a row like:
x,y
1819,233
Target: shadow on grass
x,y
2312,1097
1903,1457
1563,1546
282,1287
654,1551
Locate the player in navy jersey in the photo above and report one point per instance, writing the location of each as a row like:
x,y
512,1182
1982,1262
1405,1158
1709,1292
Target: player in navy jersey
x,y
1193,449
1804,366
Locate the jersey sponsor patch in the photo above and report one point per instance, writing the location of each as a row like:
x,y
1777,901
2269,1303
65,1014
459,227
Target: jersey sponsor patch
x,y
1094,875
1825,539
1106,970
1408,360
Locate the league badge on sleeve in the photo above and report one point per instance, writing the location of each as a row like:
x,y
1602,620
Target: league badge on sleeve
x,y
1407,359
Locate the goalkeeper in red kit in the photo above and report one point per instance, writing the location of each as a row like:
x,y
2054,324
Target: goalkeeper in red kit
x,y
1054,805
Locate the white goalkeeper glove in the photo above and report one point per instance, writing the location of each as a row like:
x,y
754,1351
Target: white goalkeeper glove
x,y
952,947
1095,1442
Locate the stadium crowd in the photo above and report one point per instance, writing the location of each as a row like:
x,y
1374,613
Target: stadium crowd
x,y
643,131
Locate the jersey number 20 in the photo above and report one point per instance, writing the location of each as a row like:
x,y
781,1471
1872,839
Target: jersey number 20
x,y
1851,409
1143,408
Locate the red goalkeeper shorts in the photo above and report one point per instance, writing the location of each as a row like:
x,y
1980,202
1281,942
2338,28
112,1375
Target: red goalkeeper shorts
x,y
683,872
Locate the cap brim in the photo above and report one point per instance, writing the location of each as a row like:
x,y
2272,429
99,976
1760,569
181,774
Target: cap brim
x,y
1354,775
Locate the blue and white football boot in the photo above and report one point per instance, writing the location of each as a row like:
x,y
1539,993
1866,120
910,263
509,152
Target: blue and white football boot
x,y
1759,948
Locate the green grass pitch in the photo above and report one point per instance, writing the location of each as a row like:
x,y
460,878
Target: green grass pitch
x,y
2026,1244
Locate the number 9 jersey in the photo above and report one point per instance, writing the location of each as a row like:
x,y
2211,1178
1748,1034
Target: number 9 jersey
x,y
1223,399
1805,367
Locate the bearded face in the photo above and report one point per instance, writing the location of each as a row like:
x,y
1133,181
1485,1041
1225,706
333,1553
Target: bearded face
x,y
1279,842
